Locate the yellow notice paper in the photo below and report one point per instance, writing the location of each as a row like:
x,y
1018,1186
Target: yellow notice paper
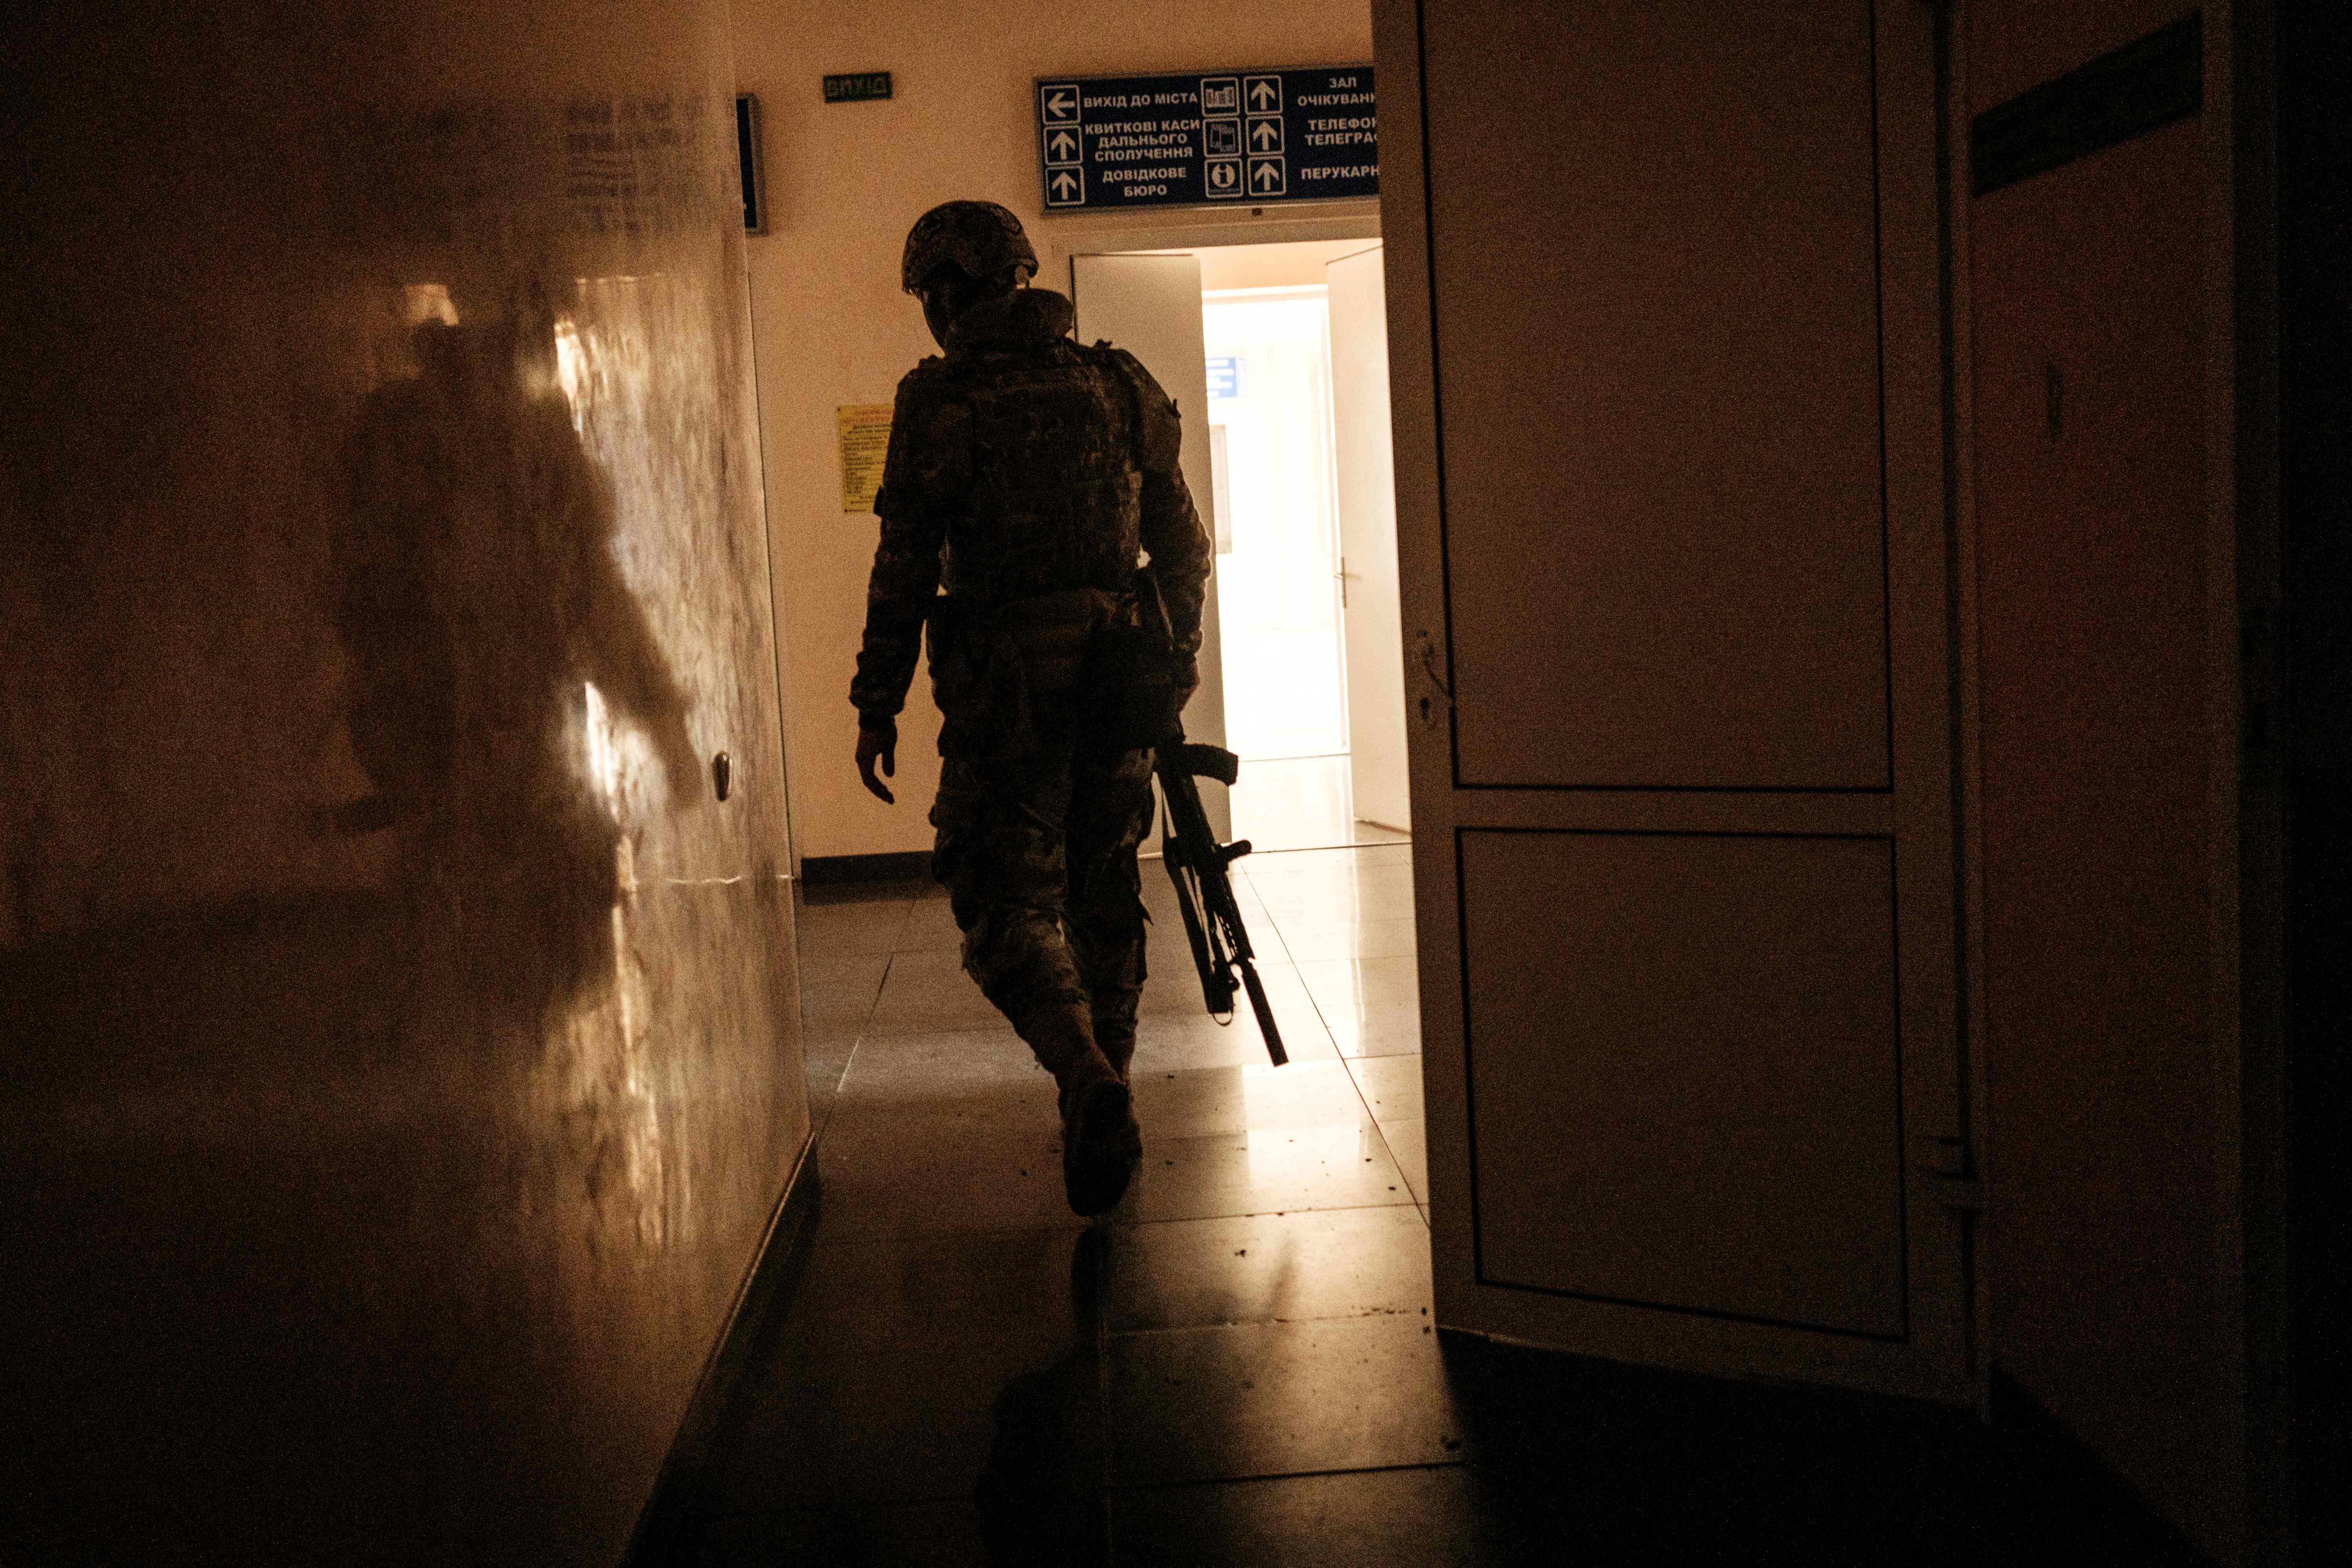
x,y
865,440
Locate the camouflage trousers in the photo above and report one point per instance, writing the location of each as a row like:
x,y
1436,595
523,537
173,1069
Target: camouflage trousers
x,y
1038,853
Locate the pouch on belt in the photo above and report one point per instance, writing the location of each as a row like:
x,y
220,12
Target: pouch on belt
x,y
979,682
1133,686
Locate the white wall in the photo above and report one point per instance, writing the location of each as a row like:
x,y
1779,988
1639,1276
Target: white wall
x,y
843,183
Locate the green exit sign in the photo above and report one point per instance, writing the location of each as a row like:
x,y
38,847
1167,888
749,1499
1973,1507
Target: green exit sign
x,y
856,87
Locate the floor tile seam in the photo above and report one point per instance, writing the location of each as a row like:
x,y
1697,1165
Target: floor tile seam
x,y
832,1102
1400,1203
993,1230
1171,1330
1153,1133
1167,1329
932,1034
1015,1130
846,1243
1277,1213
1275,926
889,962
1393,868
1127,1225
1357,1084
1389,1150
1460,1464
1348,899
1336,850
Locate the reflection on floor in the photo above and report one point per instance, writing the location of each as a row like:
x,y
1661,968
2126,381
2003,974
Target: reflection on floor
x,y
1302,802
1239,1365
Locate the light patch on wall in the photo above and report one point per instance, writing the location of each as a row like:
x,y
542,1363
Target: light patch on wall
x,y
423,302
621,768
572,373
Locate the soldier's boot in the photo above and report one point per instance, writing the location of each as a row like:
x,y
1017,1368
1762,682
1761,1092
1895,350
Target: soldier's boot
x,y
1022,961
1101,1145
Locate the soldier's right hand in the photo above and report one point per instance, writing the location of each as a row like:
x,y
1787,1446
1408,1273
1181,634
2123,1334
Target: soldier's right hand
x,y
879,745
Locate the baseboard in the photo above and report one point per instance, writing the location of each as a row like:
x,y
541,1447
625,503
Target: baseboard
x,y
668,1523
836,870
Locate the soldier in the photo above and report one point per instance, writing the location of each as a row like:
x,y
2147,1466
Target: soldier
x,y
1027,476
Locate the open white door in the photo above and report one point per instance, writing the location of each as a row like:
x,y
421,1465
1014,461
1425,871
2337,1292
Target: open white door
x,y
1664,350
1150,306
1366,486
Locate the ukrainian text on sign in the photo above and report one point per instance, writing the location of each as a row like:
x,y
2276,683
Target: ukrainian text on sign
x,y
1253,136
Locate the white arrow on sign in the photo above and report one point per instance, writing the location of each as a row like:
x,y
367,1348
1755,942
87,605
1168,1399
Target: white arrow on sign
x,y
1062,144
1263,94
1267,176
1060,105
1264,134
1064,182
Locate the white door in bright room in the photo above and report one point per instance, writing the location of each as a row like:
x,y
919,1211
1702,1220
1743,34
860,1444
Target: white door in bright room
x,y
1290,470
1299,475
1364,477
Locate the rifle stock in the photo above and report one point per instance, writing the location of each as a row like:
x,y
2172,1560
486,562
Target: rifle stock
x,y
1200,868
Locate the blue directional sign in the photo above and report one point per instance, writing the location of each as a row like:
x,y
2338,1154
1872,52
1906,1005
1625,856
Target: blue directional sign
x,y
1246,136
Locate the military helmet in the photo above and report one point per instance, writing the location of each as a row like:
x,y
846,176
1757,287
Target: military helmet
x,y
979,236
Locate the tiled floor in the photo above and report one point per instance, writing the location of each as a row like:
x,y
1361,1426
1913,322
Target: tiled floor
x,y
1239,1366
1301,803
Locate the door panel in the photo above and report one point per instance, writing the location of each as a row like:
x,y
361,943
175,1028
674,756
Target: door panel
x,y
1665,356
2091,562
1722,1107
1367,501
1150,306
1660,350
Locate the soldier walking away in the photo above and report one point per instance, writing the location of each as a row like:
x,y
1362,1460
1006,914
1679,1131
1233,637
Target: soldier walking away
x,y
1028,477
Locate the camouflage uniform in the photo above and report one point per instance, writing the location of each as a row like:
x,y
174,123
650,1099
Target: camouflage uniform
x,y
1024,472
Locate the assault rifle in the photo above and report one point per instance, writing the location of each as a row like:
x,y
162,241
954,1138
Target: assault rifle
x,y
1197,864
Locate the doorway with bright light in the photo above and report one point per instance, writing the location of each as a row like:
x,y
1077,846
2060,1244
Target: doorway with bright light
x,y
1306,574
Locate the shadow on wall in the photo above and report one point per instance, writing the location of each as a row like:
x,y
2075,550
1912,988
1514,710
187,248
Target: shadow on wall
x,y
315,1192
490,636
399,1042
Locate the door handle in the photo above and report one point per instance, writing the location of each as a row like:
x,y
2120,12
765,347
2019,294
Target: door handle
x,y
1427,656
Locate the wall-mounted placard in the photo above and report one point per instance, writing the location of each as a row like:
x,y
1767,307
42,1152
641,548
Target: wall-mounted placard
x,y
856,87
864,429
1247,137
